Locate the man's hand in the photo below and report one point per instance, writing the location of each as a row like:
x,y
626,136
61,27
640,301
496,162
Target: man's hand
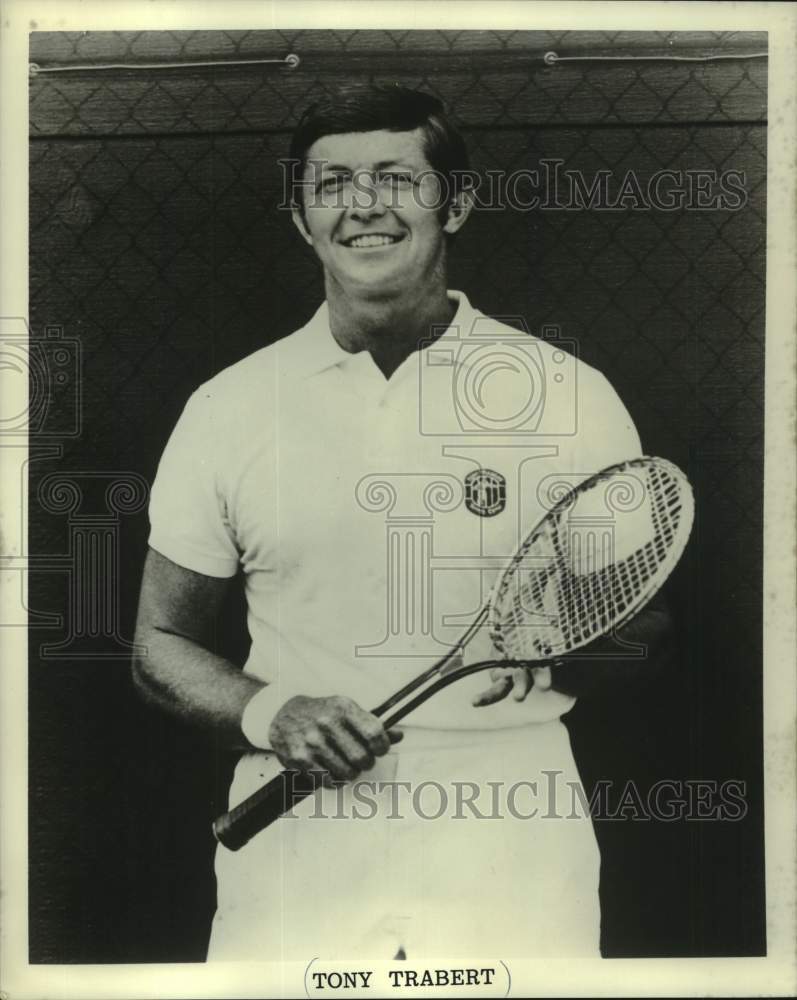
x,y
596,667
518,680
333,735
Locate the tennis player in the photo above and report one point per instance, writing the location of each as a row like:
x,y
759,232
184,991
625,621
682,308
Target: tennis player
x,y
367,475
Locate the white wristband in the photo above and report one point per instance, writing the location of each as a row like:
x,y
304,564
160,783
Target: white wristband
x,y
259,714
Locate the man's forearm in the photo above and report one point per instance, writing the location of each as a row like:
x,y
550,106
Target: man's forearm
x,y
187,680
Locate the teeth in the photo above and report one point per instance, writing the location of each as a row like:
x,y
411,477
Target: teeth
x,y
371,241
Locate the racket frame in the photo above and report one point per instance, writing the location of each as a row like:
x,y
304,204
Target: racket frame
x,y
236,827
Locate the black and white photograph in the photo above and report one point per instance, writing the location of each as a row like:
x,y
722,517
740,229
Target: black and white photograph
x,y
397,514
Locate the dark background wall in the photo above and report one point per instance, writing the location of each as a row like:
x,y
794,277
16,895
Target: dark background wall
x,y
158,248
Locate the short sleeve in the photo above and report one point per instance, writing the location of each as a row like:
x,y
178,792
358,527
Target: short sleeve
x,y
189,522
607,434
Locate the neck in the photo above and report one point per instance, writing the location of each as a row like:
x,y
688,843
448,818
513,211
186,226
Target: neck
x,y
390,328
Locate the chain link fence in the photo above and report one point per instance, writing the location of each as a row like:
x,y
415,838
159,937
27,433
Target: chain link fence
x,y
158,244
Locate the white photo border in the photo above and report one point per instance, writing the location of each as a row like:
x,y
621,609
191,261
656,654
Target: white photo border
x,y
775,974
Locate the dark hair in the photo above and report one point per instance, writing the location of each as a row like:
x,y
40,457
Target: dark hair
x,y
371,107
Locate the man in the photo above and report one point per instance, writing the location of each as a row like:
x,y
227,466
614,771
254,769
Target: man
x,y
296,465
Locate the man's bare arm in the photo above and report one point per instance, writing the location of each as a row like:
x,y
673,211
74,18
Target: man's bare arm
x,y
177,671
181,675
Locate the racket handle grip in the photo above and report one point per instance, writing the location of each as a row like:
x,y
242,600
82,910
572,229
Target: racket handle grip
x,y
236,828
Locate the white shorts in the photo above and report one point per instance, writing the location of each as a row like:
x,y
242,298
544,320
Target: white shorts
x,y
334,881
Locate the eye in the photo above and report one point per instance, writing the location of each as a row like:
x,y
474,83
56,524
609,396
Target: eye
x,y
396,179
332,183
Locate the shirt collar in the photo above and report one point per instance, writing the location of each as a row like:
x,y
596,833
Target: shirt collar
x,y
315,350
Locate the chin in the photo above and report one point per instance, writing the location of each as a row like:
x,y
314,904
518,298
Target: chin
x,y
378,284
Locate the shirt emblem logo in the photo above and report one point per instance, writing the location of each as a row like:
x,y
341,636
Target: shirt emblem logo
x,y
485,492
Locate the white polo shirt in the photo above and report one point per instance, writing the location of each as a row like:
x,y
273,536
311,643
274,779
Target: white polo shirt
x,y
369,516
359,507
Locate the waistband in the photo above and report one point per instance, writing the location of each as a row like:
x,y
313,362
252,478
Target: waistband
x,y
417,738
421,739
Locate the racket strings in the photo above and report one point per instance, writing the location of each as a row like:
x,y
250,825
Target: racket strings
x,y
573,610
547,603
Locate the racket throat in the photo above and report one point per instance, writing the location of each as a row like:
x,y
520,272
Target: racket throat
x,y
455,658
453,661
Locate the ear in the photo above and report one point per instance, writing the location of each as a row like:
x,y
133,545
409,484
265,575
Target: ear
x,y
299,221
458,211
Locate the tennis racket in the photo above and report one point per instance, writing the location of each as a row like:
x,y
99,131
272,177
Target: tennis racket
x,y
592,562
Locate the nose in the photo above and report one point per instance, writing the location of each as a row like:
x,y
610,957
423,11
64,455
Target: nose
x,y
366,202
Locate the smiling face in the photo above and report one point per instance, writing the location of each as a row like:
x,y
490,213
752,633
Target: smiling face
x,y
372,213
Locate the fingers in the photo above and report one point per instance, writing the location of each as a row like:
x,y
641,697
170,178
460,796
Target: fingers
x,y
367,730
523,683
498,690
518,680
542,678
333,735
336,764
348,755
